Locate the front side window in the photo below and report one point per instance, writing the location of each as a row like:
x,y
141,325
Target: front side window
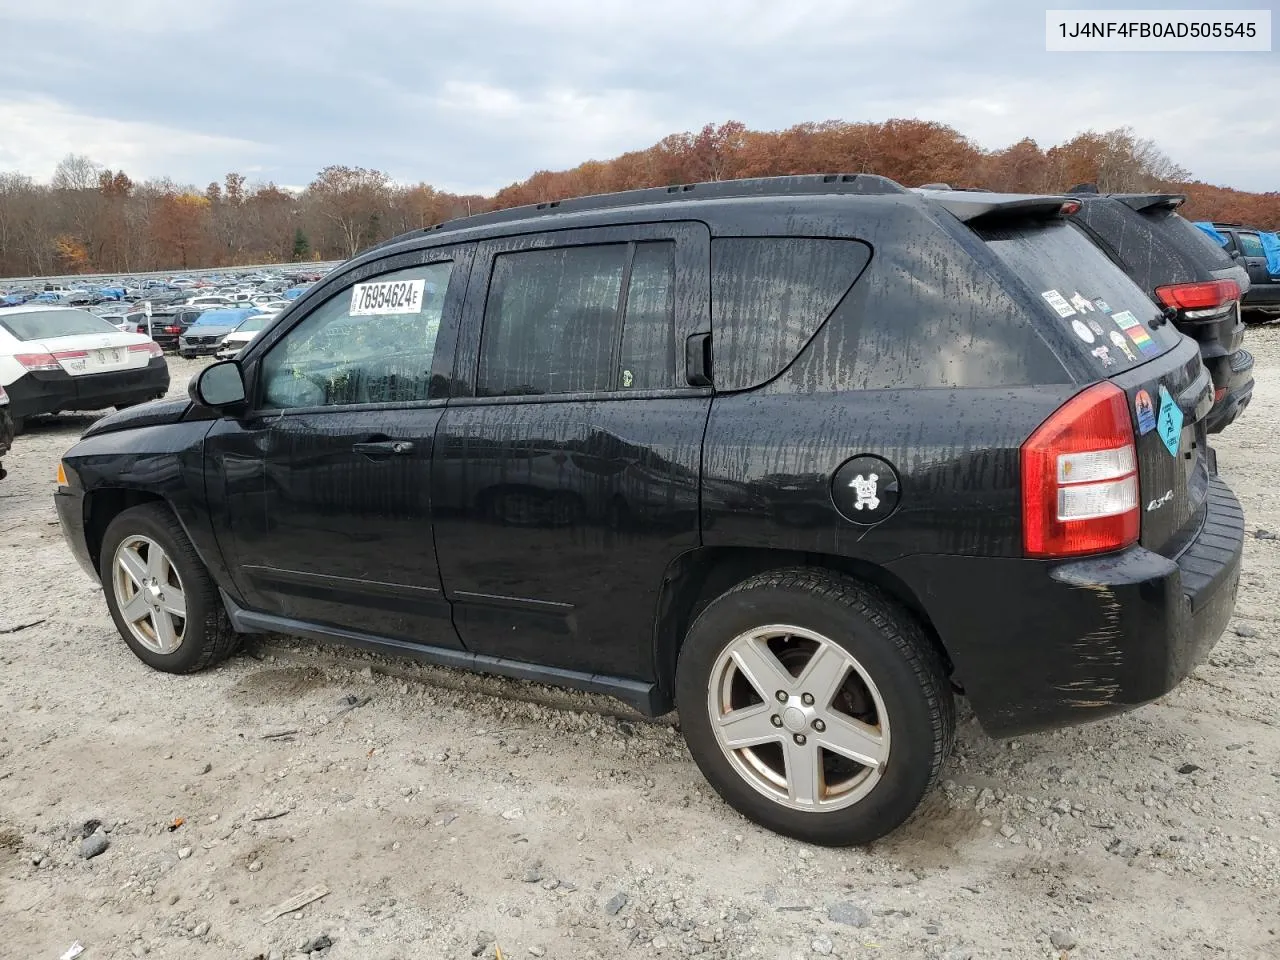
x,y
1250,245
373,342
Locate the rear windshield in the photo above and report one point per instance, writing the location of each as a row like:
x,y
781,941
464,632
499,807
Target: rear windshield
x,y
1186,238
54,323
1079,287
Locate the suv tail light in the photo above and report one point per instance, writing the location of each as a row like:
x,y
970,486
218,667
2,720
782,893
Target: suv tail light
x,y
1080,478
1199,299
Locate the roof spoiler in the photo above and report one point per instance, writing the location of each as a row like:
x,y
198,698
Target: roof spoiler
x,y
1151,201
970,206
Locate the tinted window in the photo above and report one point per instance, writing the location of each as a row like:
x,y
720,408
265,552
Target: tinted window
x,y
648,326
373,342
550,321
769,296
1184,237
1074,284
54,323
1250,245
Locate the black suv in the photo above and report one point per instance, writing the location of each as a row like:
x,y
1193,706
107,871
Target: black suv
x,y
1262,300
1196,283
168,324
802,457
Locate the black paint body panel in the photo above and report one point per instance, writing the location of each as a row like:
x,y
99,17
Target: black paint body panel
x,y
549,537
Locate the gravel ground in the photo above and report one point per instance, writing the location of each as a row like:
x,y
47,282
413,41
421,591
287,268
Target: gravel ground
x,y
454,816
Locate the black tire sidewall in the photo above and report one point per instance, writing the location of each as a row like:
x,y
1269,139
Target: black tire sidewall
x,y
913,743
151,521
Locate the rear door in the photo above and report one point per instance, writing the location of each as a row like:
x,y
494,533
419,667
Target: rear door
x,y
567,465
1120,335
1254,256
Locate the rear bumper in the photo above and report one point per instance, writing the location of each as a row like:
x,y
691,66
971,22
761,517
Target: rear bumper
x,y
48,391
1039,645
1234,376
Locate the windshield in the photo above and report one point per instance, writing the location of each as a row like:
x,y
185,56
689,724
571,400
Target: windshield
x,y
253,324
54,323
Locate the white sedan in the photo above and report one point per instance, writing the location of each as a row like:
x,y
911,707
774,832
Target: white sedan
x,y
243,335
60,358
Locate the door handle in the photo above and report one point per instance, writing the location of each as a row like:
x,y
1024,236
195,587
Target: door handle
x,y
381,449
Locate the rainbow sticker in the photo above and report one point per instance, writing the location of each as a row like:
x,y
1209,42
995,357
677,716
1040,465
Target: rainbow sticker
x,y
1127,322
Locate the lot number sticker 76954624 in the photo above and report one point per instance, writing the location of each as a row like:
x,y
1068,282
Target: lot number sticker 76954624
x,y
391,296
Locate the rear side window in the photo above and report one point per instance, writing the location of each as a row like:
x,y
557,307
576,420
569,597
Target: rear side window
x,y
1250,245
1076,285
579,320
769,296
54,323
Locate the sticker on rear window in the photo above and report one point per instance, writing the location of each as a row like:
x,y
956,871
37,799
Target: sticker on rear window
x,y
1169,422
1122,345
1095,326
1082,331
1127,322
1059,303
1146,412
391,296
1081,304
1103,354
1101,304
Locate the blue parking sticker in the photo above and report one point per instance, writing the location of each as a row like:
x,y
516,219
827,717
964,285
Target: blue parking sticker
x,y
1146,411
1169,422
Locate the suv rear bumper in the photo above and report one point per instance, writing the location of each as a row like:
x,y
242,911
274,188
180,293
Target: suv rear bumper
x,y
48,391
1061,643
1235,374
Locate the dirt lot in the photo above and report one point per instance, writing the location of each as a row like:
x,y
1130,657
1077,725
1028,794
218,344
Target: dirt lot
x,y
450,815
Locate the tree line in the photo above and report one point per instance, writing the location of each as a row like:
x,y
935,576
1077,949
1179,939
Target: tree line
x,y
89,219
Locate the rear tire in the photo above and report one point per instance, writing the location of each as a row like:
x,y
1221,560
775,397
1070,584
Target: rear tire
x,y
785,675
161,597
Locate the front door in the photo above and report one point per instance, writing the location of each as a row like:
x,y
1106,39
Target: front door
x,y
567,464
326,485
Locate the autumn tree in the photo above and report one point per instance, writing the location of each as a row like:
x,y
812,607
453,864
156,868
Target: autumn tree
x,y
349,202
179,226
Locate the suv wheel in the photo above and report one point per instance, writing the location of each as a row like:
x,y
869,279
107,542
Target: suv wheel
x,y
161,597
815,705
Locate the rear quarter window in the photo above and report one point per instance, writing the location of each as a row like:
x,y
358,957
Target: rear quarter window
x,y
1076,285
769,296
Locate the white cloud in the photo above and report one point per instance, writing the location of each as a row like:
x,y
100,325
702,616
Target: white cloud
x,y
40,131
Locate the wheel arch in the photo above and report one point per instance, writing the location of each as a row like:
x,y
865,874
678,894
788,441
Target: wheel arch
x,y
697,577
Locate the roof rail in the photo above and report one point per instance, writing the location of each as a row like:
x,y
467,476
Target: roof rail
x,y
807,185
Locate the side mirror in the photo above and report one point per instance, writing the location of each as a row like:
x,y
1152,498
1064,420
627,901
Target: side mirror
x,y
218,386
1235,254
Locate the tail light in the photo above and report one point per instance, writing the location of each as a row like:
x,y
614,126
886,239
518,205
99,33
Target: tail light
x,y
1199,299
48,361
149,348
1080,478
172,329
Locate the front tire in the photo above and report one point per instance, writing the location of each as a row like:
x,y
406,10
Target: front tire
x,y
161,597
815,705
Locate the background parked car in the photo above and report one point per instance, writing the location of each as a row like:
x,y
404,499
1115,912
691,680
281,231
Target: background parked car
x,y
1197,284
243,335
6,429
1259,252
60,358
205,335
169,323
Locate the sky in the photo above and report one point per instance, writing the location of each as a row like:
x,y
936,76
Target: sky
x,y
471,95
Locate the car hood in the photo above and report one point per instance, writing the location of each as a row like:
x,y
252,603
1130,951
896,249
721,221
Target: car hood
x,y
207,330
143,415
